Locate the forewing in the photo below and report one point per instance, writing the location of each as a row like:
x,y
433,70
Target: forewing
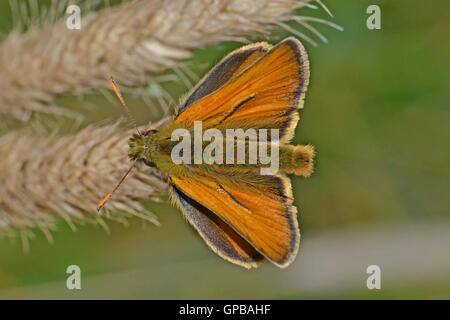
x,y
265,95
227,68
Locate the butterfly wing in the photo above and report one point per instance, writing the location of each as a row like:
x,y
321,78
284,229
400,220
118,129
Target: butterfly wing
x,y
258,208
265,95
263,92
227,68
219,236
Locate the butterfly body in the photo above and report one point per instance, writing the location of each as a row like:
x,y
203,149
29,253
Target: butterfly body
x,y
156,150
245,216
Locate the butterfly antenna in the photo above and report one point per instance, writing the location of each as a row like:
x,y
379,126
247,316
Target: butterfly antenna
x,y
105,199
113,84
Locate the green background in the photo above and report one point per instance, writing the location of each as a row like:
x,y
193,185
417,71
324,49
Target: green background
x,y
377,112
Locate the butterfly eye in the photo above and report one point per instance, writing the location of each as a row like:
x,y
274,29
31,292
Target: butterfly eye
x,y
150,132
149,163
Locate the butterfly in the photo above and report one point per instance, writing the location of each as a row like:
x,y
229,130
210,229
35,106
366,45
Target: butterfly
x,y
244,216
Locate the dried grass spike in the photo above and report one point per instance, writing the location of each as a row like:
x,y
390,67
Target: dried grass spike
x,y
131,41
48,176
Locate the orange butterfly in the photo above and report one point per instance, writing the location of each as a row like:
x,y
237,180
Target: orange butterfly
x,y
243,215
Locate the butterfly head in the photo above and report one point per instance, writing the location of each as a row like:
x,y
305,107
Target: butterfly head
x,y
140,146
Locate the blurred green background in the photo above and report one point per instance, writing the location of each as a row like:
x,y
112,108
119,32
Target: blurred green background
x,y
377,111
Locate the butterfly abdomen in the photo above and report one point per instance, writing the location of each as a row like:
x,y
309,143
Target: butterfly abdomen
x,y
297,159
